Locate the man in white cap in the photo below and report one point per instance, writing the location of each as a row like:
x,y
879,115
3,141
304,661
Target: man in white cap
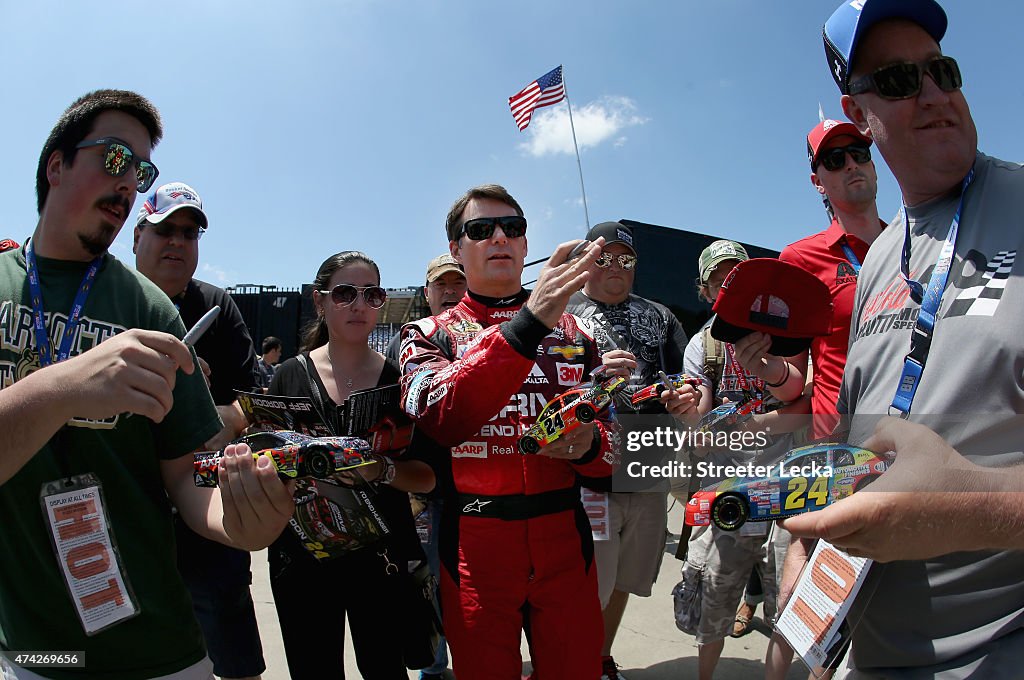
x,y
937,339
167,231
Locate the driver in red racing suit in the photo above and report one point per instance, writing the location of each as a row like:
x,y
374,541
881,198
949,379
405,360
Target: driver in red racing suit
x,y
515,543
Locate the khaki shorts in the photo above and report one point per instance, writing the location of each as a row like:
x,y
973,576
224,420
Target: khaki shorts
x,y
727,558
631,557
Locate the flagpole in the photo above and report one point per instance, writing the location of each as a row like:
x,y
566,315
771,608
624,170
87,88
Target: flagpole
x,y
579,165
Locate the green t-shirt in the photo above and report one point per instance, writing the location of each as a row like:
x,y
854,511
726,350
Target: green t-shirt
x,y
36,612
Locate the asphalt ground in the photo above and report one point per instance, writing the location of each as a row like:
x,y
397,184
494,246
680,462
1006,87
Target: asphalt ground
x,y
648,645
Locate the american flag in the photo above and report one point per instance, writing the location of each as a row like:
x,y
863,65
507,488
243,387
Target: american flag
x,y
545,91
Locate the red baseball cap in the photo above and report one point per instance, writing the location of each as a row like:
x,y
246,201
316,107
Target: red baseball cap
x,y
826,130
774,297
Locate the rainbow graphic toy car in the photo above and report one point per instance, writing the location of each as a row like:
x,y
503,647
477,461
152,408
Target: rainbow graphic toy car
x,y
808,478
653,391
574,407
294,455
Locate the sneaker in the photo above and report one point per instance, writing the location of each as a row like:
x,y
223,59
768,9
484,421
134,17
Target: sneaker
x,y
610,670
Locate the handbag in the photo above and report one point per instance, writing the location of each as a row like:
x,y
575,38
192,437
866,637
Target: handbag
x,y
687,597
423,631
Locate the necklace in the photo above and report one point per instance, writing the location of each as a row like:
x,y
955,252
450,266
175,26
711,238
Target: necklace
x,y
348,379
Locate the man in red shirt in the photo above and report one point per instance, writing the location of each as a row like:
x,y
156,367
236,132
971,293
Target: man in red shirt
x,y
844,174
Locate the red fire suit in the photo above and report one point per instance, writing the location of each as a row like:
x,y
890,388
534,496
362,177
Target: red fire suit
x,y
515,542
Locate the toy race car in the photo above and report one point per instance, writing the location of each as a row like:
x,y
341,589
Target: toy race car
x,y
677,380
295,455
728,415
574,407
808,478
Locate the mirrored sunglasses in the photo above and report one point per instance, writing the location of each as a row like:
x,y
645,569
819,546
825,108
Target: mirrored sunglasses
x,y
835,158
345,294
626,261
904,80
482,228
118,157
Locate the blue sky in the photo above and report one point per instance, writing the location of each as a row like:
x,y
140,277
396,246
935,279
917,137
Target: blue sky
x,y
313,127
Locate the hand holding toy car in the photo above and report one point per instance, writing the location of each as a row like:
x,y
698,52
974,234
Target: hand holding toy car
x,y
935,502
256,505
572,410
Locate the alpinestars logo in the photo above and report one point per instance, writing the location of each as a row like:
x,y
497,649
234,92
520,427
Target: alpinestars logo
x,y
983,298
475,506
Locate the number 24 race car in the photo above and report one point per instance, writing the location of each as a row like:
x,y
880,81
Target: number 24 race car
x,y
808,478
294,455
574,407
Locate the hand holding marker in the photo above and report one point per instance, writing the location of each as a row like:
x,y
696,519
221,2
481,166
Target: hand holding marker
x,y
197,331
201,326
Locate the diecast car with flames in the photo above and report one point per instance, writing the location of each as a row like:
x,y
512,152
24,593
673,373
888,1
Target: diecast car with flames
x,y
677,380
294,455
809,478
576,406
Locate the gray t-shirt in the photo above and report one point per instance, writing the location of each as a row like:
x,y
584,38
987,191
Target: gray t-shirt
x,y
961,613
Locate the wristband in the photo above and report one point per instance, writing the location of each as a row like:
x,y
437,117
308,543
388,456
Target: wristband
x,y
785,377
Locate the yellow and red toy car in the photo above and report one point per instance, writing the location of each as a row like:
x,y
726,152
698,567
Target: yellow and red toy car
x,y
574,407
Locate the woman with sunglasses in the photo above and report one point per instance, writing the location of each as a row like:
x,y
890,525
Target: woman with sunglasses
x,y
368,584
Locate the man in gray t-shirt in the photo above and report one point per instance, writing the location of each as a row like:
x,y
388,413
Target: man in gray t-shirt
x,y
950,603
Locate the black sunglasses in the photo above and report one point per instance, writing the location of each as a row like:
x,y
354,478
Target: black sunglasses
x,y
904,80
164,230
626,261
345,294
835,158
117,159
482,228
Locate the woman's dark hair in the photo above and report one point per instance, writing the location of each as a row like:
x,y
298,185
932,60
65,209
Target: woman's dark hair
x,y
315,333
78,120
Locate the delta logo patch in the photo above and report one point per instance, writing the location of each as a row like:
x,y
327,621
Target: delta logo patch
x,y
845,273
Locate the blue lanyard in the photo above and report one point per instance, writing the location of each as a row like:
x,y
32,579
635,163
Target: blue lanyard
x,y
38,315
921,340
851,256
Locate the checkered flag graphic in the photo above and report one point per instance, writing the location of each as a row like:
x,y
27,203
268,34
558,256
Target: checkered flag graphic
x,y
982,300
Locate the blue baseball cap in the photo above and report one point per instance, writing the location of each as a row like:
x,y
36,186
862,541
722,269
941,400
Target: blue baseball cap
x,y
844,29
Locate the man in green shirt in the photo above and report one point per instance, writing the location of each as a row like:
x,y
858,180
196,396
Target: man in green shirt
x,y
101,406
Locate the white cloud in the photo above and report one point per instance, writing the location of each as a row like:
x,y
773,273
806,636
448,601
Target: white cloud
x,y
596,122
216,275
